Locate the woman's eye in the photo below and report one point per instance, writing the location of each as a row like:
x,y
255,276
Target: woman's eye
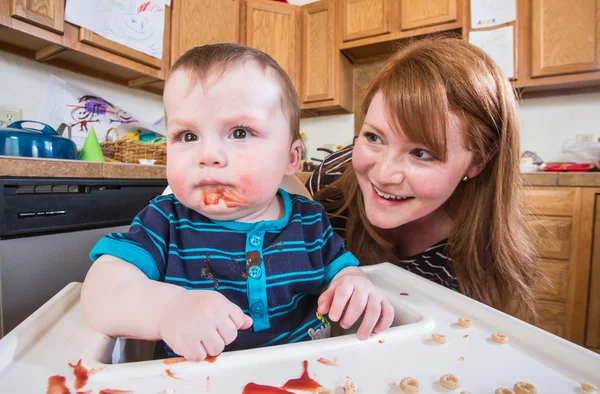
x,y
372,138
189,137
422,154
239,134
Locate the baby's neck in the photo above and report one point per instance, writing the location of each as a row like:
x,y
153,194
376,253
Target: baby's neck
x,y
272,211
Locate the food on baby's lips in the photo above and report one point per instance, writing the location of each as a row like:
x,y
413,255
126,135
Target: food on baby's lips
x,y
350,387
439,338
504,391
525,388
499,338
464,323
409,385
449,382
588,388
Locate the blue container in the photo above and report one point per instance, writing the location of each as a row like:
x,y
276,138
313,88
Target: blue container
x,y
16,140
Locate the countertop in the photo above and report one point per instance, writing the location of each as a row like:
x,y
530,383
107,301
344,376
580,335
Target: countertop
x,y
25,167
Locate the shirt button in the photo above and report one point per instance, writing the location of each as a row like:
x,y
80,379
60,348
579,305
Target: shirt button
x,y
257,308
255,240
254,272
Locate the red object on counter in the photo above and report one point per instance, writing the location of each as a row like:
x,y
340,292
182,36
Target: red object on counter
x,y
568,168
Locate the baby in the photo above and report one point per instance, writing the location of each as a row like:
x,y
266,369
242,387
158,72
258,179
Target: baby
x,y
229,260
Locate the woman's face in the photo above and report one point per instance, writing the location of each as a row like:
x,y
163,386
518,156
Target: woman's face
x,y
401,181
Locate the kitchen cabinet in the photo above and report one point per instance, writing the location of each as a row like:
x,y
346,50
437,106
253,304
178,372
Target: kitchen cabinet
x,y
365,18
592,338
36,29
561,221
418,13
565,37
201,22
326,74
47,14
272,27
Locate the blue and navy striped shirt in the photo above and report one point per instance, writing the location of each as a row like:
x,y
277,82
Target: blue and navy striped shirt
x,y
273,270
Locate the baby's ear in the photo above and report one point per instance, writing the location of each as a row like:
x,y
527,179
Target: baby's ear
x,y
293,164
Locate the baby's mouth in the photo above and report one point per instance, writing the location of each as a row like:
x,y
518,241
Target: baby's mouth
x,y
213,194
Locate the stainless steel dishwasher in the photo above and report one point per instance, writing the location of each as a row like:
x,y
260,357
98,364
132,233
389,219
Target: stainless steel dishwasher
x,y
47,229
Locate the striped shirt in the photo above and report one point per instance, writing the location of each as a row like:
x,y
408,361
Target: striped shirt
x,y
433,263
273,270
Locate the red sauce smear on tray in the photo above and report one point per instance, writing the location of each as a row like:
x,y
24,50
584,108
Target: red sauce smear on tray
x,y
113,391
403,294
324,361
171,374
253,388
81,374
56,385
381,341
174,360
84,392
211,359
303,383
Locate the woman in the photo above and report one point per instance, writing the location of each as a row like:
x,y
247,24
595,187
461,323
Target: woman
x,y
432,182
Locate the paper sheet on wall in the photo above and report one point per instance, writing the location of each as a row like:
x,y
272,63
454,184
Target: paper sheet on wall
x,y
137,24
69,103
486,13
499,44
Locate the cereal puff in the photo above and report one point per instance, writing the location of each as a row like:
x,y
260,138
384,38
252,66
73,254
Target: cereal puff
x,y
499,338
525,388
464,323
409,385
449,382
503,391
350,387
439,338
588,388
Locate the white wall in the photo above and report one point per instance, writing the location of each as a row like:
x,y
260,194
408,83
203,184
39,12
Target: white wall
x,y
23,83
547,122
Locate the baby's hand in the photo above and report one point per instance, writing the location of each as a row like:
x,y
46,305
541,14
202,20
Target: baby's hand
x,y
200,323
353,291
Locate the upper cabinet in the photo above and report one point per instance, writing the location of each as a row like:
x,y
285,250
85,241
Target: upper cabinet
x,y
47,14
419,13
201,22
326,74
565,37
272,27
365,18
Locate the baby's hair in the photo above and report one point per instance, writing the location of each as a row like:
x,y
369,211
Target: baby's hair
x,y
214,59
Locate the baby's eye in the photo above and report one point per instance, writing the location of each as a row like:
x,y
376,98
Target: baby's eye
x,y
422,154
189,137
239,134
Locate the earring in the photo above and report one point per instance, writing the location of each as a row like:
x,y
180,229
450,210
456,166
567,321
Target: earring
x,y
466,178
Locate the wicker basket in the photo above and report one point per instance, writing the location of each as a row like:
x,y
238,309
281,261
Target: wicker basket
x,y
130,151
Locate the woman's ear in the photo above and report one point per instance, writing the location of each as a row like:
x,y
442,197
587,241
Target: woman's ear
x,y
476,169
293,165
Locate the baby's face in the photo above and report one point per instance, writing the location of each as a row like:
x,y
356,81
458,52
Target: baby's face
x,y
228,142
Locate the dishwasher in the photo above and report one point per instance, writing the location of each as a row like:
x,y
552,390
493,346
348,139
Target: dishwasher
x,y
48,227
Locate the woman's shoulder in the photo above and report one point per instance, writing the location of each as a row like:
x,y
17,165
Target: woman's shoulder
x,y
330,170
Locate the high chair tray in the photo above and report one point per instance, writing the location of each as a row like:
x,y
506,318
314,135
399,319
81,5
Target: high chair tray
x,y
54,351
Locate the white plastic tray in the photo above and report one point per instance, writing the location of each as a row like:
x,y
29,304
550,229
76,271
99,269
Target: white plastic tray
x,y
56,335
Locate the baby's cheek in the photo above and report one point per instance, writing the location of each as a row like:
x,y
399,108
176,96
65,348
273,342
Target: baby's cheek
x,y
177,180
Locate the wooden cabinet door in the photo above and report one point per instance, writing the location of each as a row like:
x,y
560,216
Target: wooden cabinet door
x,y
365,18
565,37
592,337
318,47
271,28
419,13
201,22
48,14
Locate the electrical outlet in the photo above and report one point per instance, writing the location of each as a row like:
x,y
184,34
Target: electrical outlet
x,y
9,115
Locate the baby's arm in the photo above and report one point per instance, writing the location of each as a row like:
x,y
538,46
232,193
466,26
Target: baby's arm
x,y
118,299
